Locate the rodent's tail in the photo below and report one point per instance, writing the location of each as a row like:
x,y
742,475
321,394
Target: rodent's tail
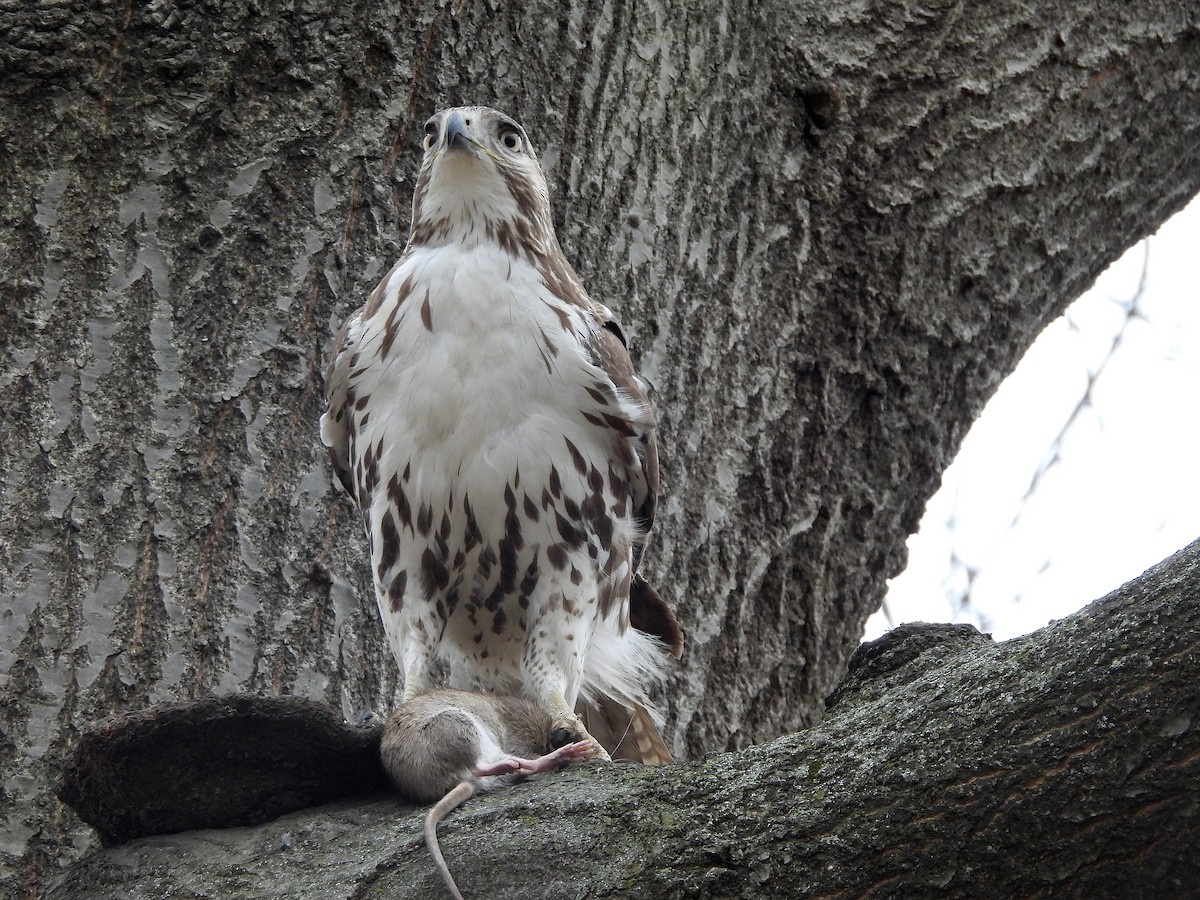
x,y
457,795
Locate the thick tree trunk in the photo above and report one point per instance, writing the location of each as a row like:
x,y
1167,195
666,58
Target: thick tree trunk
x,y
830,228
1065,763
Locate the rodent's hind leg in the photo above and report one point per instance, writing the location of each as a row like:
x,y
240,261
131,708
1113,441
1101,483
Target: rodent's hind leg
x,y
555,759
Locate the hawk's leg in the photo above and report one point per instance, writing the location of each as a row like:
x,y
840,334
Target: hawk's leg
x,y
411,689
551,671
418,663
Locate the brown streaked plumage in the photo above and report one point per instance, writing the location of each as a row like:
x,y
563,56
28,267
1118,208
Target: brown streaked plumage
x,y
485,414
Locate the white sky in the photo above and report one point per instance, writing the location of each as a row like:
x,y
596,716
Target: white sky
x,y
1123,490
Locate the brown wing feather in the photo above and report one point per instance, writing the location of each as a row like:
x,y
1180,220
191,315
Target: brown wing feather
x,y
648,612
610,353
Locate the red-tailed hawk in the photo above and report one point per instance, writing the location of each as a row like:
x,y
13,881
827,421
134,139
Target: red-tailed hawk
x,y
485,414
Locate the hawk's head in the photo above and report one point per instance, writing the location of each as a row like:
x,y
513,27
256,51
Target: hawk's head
x,y
480,181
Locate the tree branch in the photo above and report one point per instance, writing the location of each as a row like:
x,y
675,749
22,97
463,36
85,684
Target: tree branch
x,y
1066,762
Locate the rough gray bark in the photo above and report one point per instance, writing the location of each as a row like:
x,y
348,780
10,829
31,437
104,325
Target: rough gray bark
x,y
831,228
1065,764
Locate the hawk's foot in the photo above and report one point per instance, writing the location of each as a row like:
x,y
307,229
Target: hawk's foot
x,y
569,731
569,728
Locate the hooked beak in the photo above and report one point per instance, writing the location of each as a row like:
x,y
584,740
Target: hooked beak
x,y
456,135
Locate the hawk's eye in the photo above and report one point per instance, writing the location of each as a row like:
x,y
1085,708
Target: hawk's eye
x,y
431,135
512,141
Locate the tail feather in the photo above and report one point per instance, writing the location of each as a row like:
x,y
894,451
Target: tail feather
x,y
621,668
648,612
625,732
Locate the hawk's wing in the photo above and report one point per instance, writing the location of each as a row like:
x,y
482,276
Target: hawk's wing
x,y
337,423
648,612
610,353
